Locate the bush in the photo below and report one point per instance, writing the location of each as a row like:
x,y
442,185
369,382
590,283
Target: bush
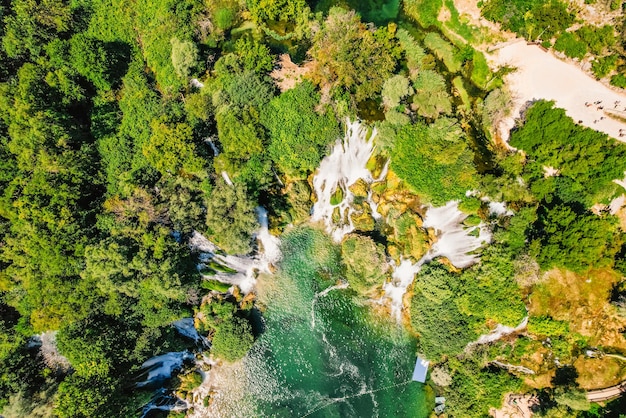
x,y
619,80
569,44
364,261
233,339
590,158
435,161
601,67
597,39
184,56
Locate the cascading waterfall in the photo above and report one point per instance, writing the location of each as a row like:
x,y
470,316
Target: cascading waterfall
x,y
186,328
345,165
160,368
454,241
164,401
239,271
498,332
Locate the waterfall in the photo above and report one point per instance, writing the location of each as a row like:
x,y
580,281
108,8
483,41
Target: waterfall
x,y
402,276
164,401
227,178
454,241
498,332
196,83
337,172
270,243
160,368
239,271
186,328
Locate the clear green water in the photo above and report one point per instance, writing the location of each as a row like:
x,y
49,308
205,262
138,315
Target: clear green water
x,y
324,355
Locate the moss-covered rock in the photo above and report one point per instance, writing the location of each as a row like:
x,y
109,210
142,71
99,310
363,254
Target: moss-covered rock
x,y
363,220
359,188
337,196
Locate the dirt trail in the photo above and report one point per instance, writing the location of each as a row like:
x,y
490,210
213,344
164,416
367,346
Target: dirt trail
x,y
606,393
289,74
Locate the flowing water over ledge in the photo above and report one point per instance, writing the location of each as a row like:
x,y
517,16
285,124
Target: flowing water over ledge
x,y
345,165
455,242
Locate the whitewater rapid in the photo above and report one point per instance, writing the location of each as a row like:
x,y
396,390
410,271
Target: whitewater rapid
x,y
455,242
241,271
343,167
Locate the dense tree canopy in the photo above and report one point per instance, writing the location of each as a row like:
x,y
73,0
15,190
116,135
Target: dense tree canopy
x,y
434,160
350,57
130,130
299,133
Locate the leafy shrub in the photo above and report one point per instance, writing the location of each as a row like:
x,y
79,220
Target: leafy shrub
x,y
603,66
569,44
184,56
435,161
233,339
431,96
298,133
590,158
619,80
597,39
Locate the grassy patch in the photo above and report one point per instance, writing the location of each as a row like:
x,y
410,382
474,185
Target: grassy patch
x,y
596,373
583,301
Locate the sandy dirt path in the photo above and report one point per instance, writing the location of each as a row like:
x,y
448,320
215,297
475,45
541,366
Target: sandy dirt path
x,y
541,75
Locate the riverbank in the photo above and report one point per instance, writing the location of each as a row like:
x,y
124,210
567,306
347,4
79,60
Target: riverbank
x,y
541,75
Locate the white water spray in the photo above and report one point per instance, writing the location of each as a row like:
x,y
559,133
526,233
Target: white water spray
x,y
323,293
338,171
186,328
498,332
162,367
454,241
239,271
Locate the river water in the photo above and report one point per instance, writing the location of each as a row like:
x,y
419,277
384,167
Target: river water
x,y
322,354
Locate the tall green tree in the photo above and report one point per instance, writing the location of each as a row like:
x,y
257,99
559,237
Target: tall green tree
x,y
350,57
231,218
299,133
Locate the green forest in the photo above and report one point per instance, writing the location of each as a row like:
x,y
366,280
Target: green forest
x,y
129,128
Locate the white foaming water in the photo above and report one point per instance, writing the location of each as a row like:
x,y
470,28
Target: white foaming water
x,y
453,242
162,367
341,169
227,178
271,244
196,83
324,292
499,209
498,332
453,239
186,328
401,278
164,401
197,409
209,141
243,270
